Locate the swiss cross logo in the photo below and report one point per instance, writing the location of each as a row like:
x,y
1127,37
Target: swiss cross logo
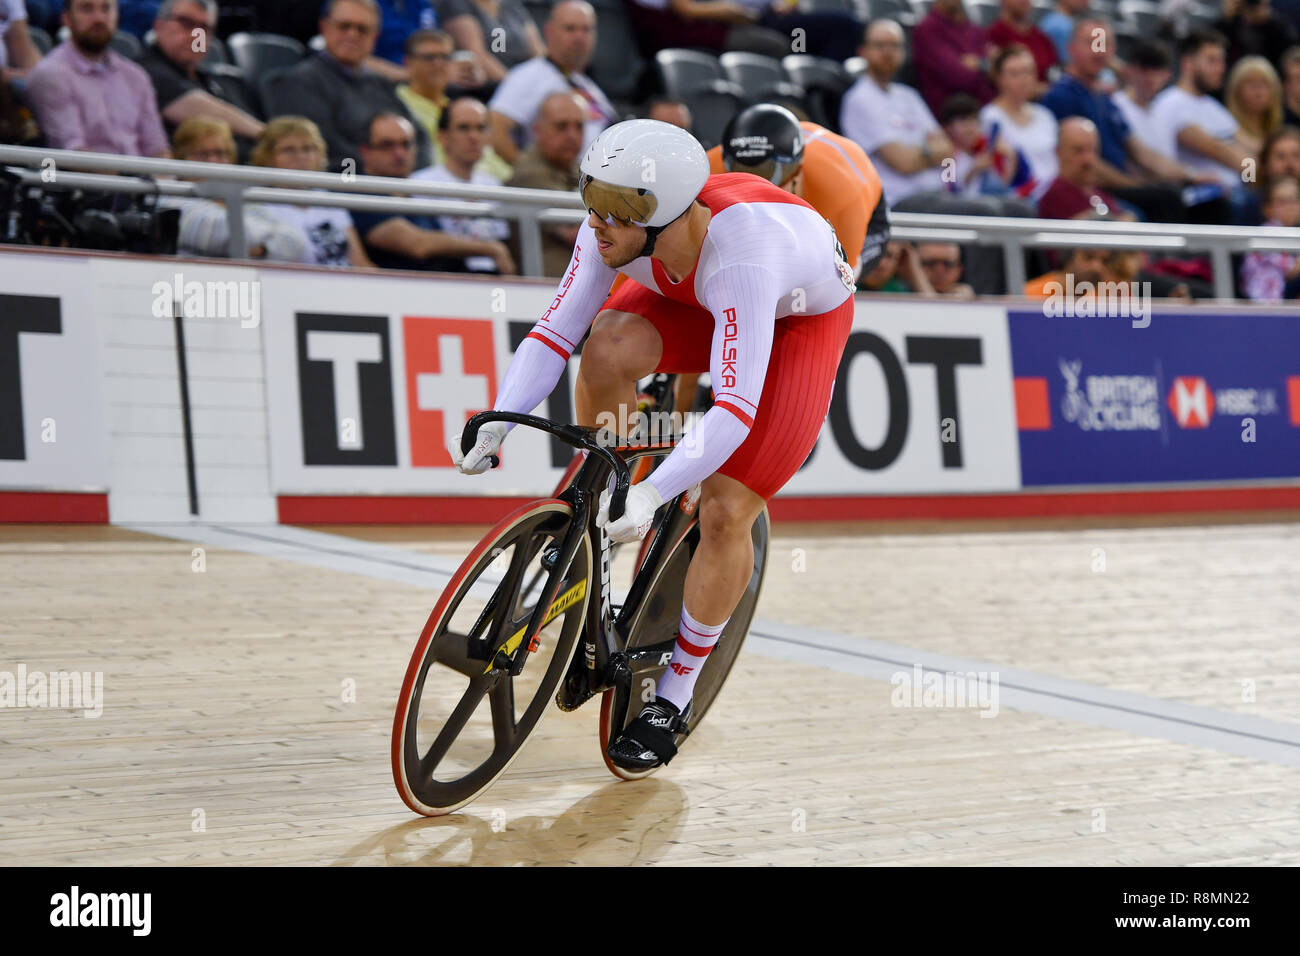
x,y
1191,402
450,375
681,669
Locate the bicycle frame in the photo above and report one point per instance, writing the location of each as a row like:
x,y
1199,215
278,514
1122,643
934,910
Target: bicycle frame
x,y
604,636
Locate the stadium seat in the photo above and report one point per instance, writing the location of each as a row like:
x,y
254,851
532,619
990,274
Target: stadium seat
x,y
43,41
128,45
684,71
266,86
217,52
752,71
712,105
829,6
259,53
899,11
616,63
231,75
1142,14
824,82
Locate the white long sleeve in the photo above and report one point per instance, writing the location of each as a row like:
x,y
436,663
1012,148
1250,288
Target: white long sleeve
x,y
541,359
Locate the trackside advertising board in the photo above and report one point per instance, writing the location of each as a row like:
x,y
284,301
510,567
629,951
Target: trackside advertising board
x,y
1199,396
368,376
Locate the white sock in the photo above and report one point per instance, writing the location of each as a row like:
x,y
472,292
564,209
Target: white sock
x,y
694,641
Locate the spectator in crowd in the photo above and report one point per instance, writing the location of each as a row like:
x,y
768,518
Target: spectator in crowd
x,y
1206,136
899,270
667,110
174,64
716,25
1129,266
1029,127
17,125
829,33
1015,27
949,56
1274,276
1253,96
1279,158
570,39
986,164
1148,72
137,16
204,230
551,162
88,96
294,142
18,53
463,134
412,240
335,89
1085,265
891,122
504,25
1058,24
1280,155
428,61
1251,28
1129,167
1290,68
398,20
941,264
1076,193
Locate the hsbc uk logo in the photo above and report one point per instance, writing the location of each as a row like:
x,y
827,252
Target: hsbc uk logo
x,y
1192,402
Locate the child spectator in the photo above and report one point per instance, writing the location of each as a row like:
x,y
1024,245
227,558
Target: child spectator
x,y
1274,276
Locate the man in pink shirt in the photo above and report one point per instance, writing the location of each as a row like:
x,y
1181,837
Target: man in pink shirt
x,y
951,56
87,96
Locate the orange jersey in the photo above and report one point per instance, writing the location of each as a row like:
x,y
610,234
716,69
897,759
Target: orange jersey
x,y
839,181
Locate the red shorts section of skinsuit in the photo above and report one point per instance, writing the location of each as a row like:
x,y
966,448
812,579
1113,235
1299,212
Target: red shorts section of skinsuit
x,y
806,352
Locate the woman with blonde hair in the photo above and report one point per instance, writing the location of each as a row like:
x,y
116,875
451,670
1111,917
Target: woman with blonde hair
x,y
203,227
295,142
1254,98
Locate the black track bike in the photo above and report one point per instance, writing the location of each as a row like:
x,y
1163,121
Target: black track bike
x,y
531,609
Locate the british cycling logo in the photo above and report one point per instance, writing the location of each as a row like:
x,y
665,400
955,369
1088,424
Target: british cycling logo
x,y
1109,300
1109,402
75,909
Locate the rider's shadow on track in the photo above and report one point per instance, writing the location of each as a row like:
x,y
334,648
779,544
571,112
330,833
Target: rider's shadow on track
x,y
621,824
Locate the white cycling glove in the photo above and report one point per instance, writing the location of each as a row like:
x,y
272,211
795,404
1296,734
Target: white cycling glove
x,y
490,437
642,501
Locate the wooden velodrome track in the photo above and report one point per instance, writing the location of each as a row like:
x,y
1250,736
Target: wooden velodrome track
x,y
1149,706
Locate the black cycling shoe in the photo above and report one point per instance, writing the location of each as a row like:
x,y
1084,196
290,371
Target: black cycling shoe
x,y
574,692
647,742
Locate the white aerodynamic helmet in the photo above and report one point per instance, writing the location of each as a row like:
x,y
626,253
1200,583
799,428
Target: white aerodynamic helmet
x,y
643,171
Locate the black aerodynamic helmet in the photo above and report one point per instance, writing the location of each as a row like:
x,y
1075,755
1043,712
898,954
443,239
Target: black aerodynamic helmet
x,y
765,140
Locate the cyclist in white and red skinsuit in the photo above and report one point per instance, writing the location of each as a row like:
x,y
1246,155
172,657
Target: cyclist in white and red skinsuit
x,y
738,278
